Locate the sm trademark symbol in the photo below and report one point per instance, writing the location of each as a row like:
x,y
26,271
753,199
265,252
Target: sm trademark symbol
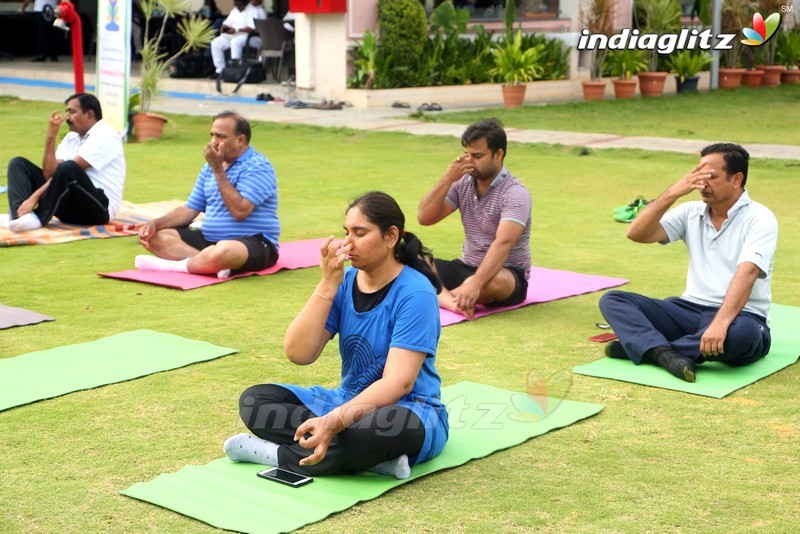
x,y
787,8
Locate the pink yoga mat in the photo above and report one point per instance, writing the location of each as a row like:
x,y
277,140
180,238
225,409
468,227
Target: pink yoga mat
x,y
293,255
545,285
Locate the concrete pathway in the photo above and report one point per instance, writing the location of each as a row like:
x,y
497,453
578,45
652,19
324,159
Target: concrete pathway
x,y
51,82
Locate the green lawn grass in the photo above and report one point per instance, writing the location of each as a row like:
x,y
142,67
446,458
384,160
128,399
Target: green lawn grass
x,y
651,461
764,115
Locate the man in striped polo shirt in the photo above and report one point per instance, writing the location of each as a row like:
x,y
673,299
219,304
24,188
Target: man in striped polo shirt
x,y
238,193
495,208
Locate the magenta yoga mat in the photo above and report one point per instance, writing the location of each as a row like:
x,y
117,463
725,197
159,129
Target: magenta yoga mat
x,y
545,285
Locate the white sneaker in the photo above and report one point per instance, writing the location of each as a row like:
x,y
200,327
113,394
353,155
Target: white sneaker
x,y
4,218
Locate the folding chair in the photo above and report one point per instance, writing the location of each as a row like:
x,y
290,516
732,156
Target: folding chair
x,y
275,41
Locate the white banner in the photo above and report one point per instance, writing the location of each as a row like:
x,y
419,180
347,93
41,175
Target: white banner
x,y
114,60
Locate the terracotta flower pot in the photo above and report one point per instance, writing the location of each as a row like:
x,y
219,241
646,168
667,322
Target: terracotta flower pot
x,y
594,90
148,126
772,74
790,76
624,88
730,78
652,83
513,95
753,78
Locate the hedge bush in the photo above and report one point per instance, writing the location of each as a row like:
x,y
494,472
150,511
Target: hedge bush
x,y
403,33
404,56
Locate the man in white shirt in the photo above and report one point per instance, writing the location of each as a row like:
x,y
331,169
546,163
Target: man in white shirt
x,y
238,42
80,182
239,24
731,239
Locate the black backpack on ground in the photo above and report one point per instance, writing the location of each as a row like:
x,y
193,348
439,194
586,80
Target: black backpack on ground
x,y
192,66
244,71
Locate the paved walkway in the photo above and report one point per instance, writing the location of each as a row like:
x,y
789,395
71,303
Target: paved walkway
x,y
51,82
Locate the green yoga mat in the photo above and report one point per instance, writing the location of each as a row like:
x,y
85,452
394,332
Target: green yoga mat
x,y
713,379
228,495
50,373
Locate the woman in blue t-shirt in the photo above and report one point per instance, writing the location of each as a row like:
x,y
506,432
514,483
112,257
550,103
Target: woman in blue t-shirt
x,y
387,413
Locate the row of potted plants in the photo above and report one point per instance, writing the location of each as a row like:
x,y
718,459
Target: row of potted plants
x,y
651,17
625,66
785,70
779,56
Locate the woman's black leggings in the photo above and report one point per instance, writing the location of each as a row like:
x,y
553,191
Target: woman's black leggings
x,y
273,413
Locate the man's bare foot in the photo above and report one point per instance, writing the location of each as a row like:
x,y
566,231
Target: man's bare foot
x,y
450,304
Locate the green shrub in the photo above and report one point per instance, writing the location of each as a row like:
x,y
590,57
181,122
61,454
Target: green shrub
x,y
513,65
787,51
626,63
554,55
448,58
445,57
371,67
403,32
687,63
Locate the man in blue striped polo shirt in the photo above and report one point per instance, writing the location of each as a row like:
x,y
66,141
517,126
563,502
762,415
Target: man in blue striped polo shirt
x,y
495,208
238,193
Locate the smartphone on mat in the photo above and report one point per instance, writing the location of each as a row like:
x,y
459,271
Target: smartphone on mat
x,y
285,477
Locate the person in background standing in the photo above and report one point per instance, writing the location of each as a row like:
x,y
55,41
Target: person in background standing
x,y
46,39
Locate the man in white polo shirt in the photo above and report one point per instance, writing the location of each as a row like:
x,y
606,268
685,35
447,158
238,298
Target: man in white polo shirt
x,y
723,313
80,182
495,208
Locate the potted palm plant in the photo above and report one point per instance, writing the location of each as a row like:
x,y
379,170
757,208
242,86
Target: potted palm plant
x,y
787,53
624,65
752,75
686,64
772,69
736,14
598,19
515,67
656,17
196,32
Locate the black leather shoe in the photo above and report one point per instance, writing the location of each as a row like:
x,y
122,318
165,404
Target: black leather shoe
x,y
54,59
214,76
38,59
677,364
614,350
